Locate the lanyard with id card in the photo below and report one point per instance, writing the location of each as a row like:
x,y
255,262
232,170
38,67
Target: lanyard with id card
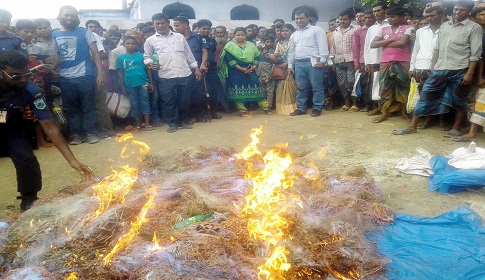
x,y
3,116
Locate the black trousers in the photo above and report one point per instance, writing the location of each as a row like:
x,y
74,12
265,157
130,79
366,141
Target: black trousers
x,y
15,144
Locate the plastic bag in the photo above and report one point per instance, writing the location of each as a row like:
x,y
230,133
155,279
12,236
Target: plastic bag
x,y
446,247
448,179
356,90
413,96
286,96
472,157
376,89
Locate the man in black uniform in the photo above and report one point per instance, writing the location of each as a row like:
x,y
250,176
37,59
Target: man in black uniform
x,y
209,67
17,91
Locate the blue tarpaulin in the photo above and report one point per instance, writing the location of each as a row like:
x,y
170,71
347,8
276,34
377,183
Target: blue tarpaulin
x,y
449,246
448,179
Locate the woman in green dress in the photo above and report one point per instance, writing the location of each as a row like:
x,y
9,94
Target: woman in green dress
x,y
238,65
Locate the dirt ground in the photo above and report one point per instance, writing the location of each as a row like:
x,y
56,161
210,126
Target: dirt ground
x,y
352,141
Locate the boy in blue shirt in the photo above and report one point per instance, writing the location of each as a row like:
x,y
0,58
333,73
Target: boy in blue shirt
x,y
135,79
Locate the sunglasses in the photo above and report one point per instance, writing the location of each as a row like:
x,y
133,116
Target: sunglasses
x,y
26,76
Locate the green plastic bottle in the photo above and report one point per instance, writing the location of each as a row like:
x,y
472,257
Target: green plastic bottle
x,y
156,60
198,218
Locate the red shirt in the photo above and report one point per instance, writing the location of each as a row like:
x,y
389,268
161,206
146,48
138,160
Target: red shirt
x,y
358,45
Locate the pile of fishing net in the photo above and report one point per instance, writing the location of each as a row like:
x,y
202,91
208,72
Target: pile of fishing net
x,y
61,237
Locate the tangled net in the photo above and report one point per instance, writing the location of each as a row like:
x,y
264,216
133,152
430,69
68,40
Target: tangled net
x,y
55,239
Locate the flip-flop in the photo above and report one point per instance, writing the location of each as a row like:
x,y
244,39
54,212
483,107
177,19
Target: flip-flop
x,y
403,131
244,114
344,108
460,138
354,109
452,133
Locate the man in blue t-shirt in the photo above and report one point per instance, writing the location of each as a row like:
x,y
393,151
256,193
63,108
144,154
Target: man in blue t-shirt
x,y
76,46
16,92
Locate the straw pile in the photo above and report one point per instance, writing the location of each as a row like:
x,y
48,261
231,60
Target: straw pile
x,y
59,236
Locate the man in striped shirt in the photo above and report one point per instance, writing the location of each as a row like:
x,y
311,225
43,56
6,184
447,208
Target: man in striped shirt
x,y
343,58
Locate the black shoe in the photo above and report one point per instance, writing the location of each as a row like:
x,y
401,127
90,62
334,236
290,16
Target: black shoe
x,y
316,113
27,201
298,113
201,119
215,116
226,110
171,129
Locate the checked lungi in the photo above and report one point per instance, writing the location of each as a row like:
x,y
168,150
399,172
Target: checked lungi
x,y
441,92
394,83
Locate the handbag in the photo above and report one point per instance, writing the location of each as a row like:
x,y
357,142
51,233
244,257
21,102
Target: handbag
x,y
118,104
278,73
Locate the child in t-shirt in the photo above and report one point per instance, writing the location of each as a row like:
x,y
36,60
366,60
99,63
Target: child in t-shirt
x,y
265,69
136,82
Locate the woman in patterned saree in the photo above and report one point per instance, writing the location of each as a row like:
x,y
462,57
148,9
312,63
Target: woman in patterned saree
x,y
238,65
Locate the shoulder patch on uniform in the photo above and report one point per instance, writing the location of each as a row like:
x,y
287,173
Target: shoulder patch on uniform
x,y
39,104
23,46
204,40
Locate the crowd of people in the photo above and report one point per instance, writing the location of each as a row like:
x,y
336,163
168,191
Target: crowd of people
x,y
172,73
178,74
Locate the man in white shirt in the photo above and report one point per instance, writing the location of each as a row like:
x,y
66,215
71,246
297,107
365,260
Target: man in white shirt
x,y
175,61
420,67
307,43
372,56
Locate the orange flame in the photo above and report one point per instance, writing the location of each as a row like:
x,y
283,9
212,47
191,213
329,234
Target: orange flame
x,y
126,239
156,246
124,152
115,187
266,203
72,276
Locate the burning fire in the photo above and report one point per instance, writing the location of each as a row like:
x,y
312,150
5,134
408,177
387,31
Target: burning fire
x,y
72,276
156,246
114,188
125,239
266,204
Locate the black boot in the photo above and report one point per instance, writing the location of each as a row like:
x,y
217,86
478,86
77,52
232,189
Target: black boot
x,y
27,200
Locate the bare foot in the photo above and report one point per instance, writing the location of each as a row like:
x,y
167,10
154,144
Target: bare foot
x,y
381,118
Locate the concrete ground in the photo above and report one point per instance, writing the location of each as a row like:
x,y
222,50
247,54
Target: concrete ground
x,y
352,141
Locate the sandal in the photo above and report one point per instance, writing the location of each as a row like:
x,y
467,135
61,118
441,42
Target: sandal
x,y
344,108
244,114
354,109
268,111
403,131
460,138
452,133
148,128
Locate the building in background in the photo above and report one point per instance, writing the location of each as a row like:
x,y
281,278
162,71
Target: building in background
x,y
236,10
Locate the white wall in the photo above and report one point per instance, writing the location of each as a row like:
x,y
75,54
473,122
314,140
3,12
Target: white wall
x,y
268,9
